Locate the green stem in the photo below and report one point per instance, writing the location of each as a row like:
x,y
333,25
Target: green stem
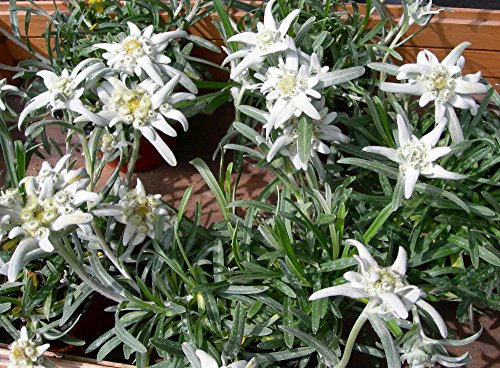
x,y
109,253
363,317
135,155
76,266
89,160
183,252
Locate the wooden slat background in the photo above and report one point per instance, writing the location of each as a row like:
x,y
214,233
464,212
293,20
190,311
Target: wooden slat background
x,y
448,29
64,361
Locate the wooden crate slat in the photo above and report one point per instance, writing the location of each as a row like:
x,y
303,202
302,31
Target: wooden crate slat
x,y
64,361
484,35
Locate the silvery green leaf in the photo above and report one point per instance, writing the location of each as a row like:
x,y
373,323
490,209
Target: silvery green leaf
x,y
314,343
391,352
17,261
255,113
304,31
237,330
305,138
244,290
390,69
191,355
341,76
127,338
285,354
4,307
248,132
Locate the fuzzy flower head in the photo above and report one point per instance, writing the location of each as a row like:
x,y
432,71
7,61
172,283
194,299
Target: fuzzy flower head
x,y
420,11
139,212
11,203
60,176
416,156
25,352
7,89
269,39
52,204
322,131
386,287
110,143
145,107
443,83
419,351
65,90
140,51
289,88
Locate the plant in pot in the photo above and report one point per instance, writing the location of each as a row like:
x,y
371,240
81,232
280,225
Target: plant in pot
x,y
322,263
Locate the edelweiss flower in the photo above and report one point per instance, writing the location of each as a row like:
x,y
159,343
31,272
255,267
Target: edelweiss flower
x,y
11,203
207,361
419,13
143,51
421,352
64,91
289,88
386,287
26,353
139,212
443,83
145,106
110,144
416,156
268,40
51,205
5,89
322,131
62,178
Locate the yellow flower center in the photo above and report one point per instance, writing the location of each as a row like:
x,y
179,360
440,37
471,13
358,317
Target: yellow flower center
x,y
134,103
440,83
287,84
132,45
97,8
265,37
142,210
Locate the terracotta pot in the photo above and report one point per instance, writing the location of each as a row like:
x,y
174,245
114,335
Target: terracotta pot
x,y
149,157
87,329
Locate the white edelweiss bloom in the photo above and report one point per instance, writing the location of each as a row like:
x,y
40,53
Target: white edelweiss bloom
x,y
243,78
145,107
64,91
419,351
110,143
322,131
207,361
289,88
443,83
420,11
11,204
62,178
386,287
139,212
416,156
7,89
143,51
25,352
50,207
269,39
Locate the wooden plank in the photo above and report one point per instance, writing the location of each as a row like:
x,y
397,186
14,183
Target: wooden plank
x,y
7,59
449,28
64,361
